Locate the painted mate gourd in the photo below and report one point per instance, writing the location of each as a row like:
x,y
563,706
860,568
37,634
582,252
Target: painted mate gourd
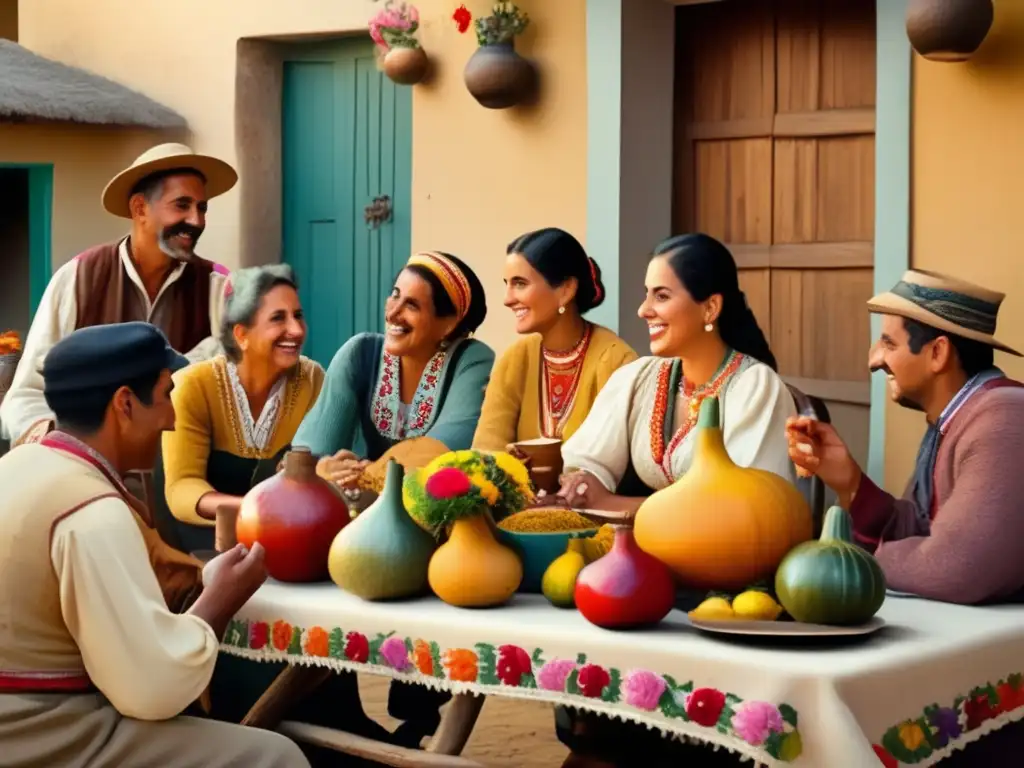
x,y
382,554
295,515
721,526
473,569
831,580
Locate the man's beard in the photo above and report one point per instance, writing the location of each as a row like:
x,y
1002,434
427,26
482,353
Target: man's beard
x,y
903,400
176,252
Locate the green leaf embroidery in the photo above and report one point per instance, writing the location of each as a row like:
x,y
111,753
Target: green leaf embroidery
x,y
788,714
487,664
612,692
235,635
375,645
537,658
295,646
408,646
581,658
435,655
773,744
686,687
572,683
528,681
336,644
668,704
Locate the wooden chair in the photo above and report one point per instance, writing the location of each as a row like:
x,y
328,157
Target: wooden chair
x,y
812,487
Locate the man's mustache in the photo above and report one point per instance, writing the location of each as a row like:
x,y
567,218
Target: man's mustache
x,y
182,228
883,368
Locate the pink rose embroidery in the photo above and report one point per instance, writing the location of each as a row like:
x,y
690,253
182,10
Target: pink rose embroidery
x,y
395,654
552,676
755,721
643,689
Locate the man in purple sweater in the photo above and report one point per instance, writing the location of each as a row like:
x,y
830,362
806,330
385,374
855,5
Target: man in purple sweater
x,y
956,534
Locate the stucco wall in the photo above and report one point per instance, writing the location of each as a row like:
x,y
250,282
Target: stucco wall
x,y
968,162
84,159
480,177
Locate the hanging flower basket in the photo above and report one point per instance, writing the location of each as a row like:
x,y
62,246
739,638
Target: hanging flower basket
x,y
948,30
401,57
495,74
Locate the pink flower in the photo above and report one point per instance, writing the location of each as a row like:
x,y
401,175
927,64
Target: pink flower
x,y
552,676
395,654
755,721
447,482
643,689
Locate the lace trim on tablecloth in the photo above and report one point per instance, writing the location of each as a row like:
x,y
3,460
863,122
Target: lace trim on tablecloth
x,y
755,730
940,731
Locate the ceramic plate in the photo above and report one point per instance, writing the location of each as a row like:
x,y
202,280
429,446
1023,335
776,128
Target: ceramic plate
x,y
785,628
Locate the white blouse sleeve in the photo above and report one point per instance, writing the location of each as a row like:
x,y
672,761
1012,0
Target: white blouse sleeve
x,y
150,663
756,407
601,445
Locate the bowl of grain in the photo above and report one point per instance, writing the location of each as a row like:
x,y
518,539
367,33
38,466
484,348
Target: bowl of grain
x,y
539,536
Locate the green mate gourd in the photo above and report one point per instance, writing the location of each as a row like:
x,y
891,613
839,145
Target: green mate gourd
x,y
831,580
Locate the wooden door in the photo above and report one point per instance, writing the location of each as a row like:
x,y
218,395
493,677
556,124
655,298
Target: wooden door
x,y
347,139
775,156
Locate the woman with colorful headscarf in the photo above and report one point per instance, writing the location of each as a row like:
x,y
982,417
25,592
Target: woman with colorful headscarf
x,y
423,378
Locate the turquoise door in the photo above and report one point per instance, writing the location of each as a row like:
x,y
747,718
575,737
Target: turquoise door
x,y
347,139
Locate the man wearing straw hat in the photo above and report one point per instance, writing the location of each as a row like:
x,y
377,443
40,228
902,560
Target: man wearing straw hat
x,y
955,535
153,275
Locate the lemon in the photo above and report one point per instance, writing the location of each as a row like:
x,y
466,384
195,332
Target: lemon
x,y
713,609
756,605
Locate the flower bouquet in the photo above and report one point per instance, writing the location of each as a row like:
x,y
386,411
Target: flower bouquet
x,y
459,492
394,29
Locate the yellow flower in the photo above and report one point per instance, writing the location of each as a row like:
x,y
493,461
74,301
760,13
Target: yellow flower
x,y
514,468
488,489
911,735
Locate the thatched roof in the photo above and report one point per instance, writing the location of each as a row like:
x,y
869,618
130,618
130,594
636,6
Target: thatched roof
x,y
33,88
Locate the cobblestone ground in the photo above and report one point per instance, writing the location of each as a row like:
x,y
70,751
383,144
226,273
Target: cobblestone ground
x,y
509,734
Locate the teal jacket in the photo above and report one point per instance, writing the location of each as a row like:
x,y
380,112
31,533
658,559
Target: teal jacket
x,y
340,419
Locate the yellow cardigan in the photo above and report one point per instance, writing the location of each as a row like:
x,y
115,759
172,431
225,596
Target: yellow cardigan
x,y
511,410
206,419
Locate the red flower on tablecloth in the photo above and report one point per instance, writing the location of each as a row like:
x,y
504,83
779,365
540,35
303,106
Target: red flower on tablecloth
x,y
978,710
704,706
281,635
887,760
422,657
462,18
1011,694
259,634
513,663
316,642
357,647
461,664
592,680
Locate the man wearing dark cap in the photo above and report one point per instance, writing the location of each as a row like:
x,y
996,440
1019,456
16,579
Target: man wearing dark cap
x,y
956,534
98,653
153,274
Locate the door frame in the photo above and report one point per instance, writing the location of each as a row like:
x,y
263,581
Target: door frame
x,y
40,228
630,132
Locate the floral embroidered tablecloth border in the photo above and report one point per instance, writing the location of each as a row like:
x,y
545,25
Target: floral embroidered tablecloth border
x,y
940,728
759,729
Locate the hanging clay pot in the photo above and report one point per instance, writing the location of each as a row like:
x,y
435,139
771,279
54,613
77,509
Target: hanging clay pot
x,y
498,77
472,569
382,554
406,66
295,515
948,30
625,588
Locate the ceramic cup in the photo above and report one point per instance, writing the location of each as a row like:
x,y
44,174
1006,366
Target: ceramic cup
x,y
545,454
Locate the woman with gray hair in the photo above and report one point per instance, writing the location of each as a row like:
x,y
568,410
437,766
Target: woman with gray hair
x,y
236,415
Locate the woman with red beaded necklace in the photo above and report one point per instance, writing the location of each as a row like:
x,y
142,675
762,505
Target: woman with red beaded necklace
x,y
544,384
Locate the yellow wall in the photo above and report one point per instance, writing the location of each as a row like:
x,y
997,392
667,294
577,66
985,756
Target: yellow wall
x,y
967,216
84,159
480,177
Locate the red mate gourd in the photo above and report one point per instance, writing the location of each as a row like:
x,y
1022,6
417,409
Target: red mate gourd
x,y
722,526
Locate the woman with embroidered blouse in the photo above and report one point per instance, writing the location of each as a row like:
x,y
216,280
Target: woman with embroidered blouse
x,y
423,377
545,383
706,342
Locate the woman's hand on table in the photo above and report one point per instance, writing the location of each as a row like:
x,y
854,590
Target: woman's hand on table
x,y
817,449
581,490
343,469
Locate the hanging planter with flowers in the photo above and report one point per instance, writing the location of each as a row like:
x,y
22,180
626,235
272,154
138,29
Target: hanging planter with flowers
x,y
393,29
495,74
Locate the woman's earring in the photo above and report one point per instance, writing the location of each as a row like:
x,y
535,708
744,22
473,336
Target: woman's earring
x,y
443,344
709,327
561,310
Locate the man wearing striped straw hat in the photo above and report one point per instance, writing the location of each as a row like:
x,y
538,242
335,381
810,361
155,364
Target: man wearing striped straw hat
x,y
955,535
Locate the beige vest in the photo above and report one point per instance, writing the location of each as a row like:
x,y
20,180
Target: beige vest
x,y
41,487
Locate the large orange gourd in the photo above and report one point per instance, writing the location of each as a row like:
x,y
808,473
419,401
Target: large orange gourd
x,y
722,526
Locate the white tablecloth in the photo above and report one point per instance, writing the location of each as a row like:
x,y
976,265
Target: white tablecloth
x,y
933,679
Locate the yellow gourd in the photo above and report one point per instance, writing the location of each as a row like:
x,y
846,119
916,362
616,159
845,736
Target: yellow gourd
x,y
472,569
722,526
